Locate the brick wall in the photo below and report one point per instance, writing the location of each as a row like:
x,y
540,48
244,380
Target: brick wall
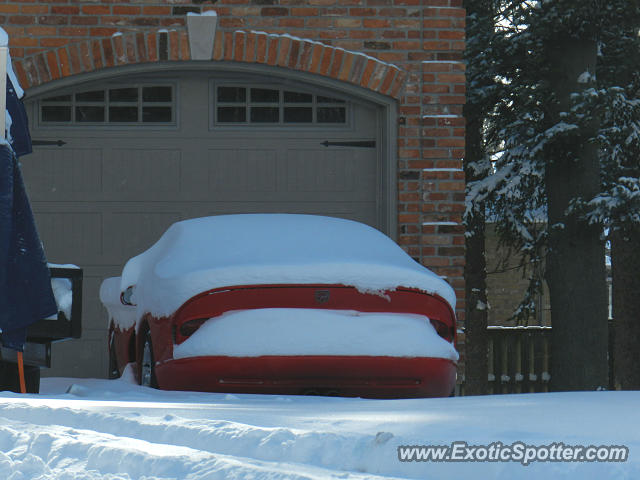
x,y
422,40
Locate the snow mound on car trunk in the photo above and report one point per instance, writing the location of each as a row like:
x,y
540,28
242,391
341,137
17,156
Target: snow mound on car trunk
x,y
299,331
197,255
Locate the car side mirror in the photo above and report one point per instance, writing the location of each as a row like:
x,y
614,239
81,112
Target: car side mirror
x,y
125,297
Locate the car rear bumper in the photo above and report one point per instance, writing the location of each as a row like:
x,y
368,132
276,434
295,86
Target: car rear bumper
x,y
353,376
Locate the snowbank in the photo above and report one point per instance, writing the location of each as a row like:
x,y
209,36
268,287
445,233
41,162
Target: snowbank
x,y
197,255
108,430
291,331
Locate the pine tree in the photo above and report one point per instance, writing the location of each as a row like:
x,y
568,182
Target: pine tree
x,y
481,89
618,206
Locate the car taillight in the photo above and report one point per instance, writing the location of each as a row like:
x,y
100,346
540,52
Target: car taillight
x,y
189,327
442,329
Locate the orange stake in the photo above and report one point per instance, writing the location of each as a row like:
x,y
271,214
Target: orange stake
x,y
23,388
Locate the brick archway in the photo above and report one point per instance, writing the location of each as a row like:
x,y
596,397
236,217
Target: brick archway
x,y
249,47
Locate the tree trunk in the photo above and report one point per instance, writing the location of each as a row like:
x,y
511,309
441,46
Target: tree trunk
x,y
575,264
475,274
480,31
625,265
476,335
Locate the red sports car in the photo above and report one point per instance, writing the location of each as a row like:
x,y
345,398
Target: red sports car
x,y
286,304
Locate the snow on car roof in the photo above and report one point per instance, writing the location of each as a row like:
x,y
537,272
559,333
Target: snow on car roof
x,y
200,254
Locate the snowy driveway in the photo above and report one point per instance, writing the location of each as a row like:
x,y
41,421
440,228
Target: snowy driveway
x,y
116,430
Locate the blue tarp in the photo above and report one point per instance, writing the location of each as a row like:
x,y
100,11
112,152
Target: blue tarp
x,y
20,137
25,285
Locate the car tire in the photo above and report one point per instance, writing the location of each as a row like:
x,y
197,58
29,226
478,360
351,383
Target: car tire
x,y
147,364
114,372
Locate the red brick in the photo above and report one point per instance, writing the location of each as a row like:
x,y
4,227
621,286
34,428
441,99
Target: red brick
x,y
63,57
9,8
156,10
53,42
35,9
228,46
368,72
376,23
174,46
96,54
316,56
22,20
362,12
304,12
152,47
283,52
83,20
130,48
73,31
325,62
388,81
65,10
239,46
291,22
294,54
41,66
18,68
185,52
107,51
397,85
31,73
141,47
52,64
347,65
125,10
41,30
272,55
218,46
250,48
50,20
261,48
451,34
336,63
451,78
378,76
357,69
119,50
274,11
96,9
85,57
103,31
23,41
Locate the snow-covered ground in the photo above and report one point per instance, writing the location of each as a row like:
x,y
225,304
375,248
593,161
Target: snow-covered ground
x,y
99,429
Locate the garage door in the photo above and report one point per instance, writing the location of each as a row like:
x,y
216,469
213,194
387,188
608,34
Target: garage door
x,y
116,162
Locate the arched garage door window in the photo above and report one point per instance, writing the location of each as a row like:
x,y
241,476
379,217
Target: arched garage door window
x,y
257,105
118,104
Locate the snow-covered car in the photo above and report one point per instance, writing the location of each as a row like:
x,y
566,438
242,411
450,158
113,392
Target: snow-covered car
x,y
282,303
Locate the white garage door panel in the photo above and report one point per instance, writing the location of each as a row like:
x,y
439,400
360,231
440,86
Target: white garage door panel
x,y
70,237
234,173
63,173
329,172
143,173
129,233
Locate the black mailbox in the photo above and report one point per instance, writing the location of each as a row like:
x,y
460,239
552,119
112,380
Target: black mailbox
x,y
40,335
61,327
